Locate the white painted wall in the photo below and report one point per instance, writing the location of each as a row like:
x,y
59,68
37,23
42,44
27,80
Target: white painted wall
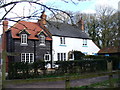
x,y
72,44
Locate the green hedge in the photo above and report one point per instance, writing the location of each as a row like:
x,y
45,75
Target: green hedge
x,y
115,60
80,66
22,70
88,63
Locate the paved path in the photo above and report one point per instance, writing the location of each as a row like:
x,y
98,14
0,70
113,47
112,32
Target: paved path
x,y
60,84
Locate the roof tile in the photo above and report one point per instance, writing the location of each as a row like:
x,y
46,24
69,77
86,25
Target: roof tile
x,y
32,28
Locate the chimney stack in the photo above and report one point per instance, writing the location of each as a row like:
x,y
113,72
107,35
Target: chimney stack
x,y
5,27
42,19
81,24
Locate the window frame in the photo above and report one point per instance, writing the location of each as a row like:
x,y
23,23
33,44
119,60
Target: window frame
x,y
71,55
48,56
24,39
42,40
84,42
61,56
62,40
24,57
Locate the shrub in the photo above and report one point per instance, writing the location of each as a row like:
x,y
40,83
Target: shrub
x,y
22,70
78,55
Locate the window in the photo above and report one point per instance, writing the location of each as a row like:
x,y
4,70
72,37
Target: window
x,y
71,56
47,57
42,40
27,57
84,42
23,39
62,40
61,56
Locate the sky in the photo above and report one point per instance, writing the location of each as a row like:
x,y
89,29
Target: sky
x,y
87,6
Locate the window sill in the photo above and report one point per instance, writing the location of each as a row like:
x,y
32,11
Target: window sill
x,y
46,60
23,44
63,45
42,45
84,46
71,59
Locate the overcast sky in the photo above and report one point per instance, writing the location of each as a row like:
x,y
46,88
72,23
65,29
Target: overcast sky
x,y
87,6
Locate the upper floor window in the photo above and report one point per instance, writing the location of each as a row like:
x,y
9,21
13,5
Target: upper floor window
x,y
24,39
42,40
84,42
62,40
27,57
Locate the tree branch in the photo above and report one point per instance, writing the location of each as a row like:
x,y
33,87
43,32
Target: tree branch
x,y
8,12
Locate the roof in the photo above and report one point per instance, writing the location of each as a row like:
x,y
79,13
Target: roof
x,y
66,30
30,27
109,50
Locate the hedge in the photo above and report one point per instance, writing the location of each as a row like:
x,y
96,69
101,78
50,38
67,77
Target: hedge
x,y
21,70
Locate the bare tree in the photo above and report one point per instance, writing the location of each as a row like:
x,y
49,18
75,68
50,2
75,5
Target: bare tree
x,y
102,27
13,3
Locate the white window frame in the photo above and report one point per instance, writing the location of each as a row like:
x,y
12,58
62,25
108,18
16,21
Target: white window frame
x,y
42,40
72,56
62,40
84,42
24,57
23,39
61,56
47,55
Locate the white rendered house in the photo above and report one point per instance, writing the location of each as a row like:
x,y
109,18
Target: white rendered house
x,y
67,38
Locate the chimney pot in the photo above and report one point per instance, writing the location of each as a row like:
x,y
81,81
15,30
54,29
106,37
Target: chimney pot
x,y
81,24
43,19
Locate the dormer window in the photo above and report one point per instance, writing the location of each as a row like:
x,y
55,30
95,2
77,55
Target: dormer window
x,y
23,39
42,40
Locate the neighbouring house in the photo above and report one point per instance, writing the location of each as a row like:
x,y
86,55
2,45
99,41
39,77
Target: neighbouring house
x,y
110,51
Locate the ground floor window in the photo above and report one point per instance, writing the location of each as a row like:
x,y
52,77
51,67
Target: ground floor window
x,y
61,56
27,57
71,56
47,57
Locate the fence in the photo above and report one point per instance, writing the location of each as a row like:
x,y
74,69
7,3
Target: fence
x,y
66,78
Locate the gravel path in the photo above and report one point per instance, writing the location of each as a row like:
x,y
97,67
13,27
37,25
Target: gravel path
x,y
61,84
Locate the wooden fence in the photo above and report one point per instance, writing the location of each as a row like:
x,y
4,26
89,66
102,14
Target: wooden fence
x,y
66,78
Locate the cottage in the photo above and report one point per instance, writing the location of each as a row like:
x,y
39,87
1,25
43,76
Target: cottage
x,y
26,42
67,38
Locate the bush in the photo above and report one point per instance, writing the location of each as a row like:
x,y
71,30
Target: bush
x,y
78,55
80,66
22,70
